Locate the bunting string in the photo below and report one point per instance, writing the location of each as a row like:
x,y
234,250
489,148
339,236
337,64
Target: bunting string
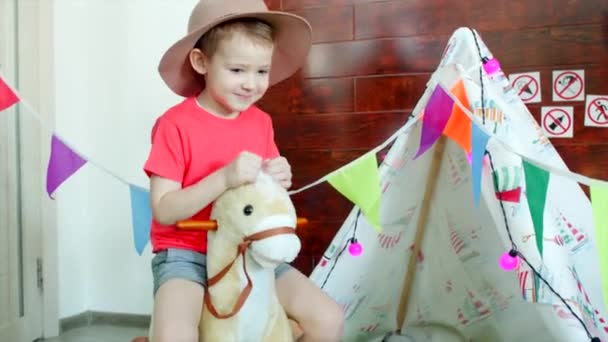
x,y
552,169
401,131
65,160
30,110
447,113
413,119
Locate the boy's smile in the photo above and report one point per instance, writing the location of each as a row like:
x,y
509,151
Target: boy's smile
x,y
236,76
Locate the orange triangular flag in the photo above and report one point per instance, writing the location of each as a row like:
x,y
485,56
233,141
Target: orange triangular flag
x,y
459,126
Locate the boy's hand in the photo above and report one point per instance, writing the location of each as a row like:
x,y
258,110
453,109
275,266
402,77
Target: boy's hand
x,y
243,169
280,170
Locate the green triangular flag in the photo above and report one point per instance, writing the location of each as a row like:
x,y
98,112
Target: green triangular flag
x,y
360,183
537,181
599,201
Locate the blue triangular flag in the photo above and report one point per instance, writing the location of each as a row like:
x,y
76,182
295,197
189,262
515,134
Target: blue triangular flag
x,y
141,216
479,141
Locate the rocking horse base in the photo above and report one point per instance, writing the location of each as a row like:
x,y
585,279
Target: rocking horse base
x,y
295,329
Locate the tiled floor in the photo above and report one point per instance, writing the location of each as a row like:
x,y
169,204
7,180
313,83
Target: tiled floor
x,y
100,333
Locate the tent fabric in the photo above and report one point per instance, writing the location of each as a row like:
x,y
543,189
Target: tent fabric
x,y
459,292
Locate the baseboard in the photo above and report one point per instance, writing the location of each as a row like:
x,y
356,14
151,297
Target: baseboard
x,y
89,318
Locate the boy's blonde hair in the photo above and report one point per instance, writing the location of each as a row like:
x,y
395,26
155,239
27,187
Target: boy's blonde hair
x,y
255,29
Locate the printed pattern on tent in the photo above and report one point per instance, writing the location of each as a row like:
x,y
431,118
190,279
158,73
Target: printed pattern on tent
x,y
460,293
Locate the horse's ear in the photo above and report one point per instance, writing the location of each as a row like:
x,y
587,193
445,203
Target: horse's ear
x,y
264,177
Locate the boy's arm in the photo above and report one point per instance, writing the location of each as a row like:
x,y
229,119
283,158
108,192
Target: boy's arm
x,y
171,203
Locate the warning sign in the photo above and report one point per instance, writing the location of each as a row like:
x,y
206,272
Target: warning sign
x,y
596,111
557,122
527,86
569,85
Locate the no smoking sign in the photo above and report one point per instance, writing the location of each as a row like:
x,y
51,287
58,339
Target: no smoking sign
x,y
527,86
596,111
557,122
569,85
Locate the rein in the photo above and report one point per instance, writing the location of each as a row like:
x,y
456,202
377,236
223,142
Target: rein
x,y
242,248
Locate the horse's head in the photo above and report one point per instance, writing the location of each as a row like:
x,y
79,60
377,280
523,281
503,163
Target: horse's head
x,y
260,215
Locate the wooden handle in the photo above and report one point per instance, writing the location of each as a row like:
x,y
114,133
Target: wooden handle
x,y
197,225
212,225
301,222
420,232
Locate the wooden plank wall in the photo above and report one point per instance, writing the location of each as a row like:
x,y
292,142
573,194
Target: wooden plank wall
x,y
369,65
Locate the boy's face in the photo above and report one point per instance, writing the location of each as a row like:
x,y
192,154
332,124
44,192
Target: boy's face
x,y
236,76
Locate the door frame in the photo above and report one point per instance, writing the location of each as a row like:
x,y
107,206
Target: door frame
x,y
36,79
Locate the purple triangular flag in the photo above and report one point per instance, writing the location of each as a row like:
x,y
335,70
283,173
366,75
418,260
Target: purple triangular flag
x,y
436,115
479,141
62,164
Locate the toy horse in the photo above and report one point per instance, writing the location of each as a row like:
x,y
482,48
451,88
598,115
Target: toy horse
x,y
251,232
255,233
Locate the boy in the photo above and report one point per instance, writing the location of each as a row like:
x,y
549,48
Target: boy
x,y
216,139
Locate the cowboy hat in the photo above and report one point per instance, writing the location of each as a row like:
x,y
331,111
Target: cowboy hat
x,y
292,42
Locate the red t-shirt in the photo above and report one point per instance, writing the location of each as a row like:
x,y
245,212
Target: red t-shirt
x,y
189,143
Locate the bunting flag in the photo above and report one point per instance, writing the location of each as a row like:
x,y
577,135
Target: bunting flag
x,y
537,182
479,141
7,96
62,164
459,125
599,202
436,115
360,183
141,216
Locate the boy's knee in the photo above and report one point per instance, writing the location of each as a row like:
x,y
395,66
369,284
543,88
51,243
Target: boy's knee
x,y
175,333
328,325
334,321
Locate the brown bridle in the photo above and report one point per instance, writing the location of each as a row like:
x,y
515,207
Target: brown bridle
x,y
242,248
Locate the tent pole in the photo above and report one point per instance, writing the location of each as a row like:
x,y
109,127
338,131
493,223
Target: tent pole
x,y
420,231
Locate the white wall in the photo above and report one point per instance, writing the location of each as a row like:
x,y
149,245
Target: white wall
x,y
108,94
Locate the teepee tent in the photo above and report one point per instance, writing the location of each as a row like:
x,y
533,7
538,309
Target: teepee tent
x,y
431,271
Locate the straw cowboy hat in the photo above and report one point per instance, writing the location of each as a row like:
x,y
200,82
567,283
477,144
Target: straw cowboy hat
x,y
292,43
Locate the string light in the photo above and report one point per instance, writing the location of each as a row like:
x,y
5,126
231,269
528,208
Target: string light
x,y
486,162
509,261
351,242
514,253
355,248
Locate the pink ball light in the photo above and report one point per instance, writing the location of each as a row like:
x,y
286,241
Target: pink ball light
x,y
486,160
509,261
355,248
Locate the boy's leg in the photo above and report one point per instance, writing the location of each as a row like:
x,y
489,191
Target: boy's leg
x,y
319,316
177,311
179,276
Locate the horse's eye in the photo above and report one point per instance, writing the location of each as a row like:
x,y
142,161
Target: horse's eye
x,y
248,210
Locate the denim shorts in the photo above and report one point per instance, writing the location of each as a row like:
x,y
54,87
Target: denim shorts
x,y
186,264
